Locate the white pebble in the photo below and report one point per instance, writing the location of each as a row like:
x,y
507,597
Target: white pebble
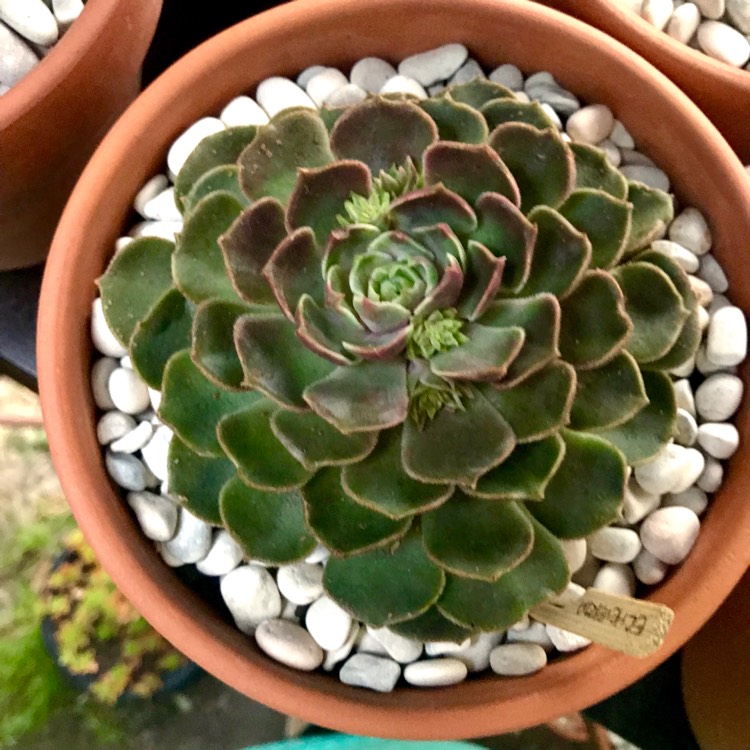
x,y
535,634
670,469
289,644
162,207
476,656
702,291
717,302
706,367
718,439
669,533
156,452
166,230
686,368
157,515
718,397
684,22
435,672
693,497
150,190
620,136
685,259
371,73
726,343
318,555
683,394
155,398
101,334
713,274
373,672
243,110
565,641
469,71
323,84
712,477
32,19
586,575
403,85
657,12
328,623
571,593
435,65
704,319
192,540
345,96
66,11
591,124
615,578
251,595
723,43
632,157
686,428
611,152
128,392
517,659
638,503
556,121
126,470
308,73
223,556
614,544
509,76
332,658
738,12
400,648
713,9
185,143
649,569
440,648
169,559
366,643
575,553
690,230
301,583
113,425
651,176
276,94
134,440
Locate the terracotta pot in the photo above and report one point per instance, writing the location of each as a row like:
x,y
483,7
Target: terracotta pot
x,y
337,32
720,90
52,120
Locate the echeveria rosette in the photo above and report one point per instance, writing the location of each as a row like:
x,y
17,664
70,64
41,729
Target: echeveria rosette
x,y
429,335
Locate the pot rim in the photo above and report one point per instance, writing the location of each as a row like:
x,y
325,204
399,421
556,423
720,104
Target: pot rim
x,y
468,709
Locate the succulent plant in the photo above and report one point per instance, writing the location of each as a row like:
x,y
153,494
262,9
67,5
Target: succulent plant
x,y
430,335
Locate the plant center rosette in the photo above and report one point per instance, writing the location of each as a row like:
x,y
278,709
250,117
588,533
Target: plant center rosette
x,y
429,335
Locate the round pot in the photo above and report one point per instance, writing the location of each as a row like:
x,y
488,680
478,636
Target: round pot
x,y
338,32
54,118
720,90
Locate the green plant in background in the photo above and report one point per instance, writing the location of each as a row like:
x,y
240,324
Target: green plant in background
x,y
430,335
99,633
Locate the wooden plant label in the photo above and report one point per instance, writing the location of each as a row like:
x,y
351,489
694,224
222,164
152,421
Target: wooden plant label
x,y
632,626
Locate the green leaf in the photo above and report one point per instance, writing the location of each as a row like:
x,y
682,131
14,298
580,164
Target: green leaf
x,y
197,480
604,219
478,92
608,395
261,459
386,585
468,170
476,538
198,263
316,443
340,523
500,111
561,255
319,196
361,398
594,325
539,160
295,138
269,526
248,244
570,509
329,331
382,133
215,150
493,606
539,318
164,331
446,451
135,280
484,274
486,356
380,482
655,308
432,205
193,406
538,406
455,121
508,234
645,434
594,170
524,475
213,349
653,211
224,179
431,626
275,361
346,244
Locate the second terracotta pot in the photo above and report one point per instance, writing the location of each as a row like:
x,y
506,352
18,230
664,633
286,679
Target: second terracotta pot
x,y
704,172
